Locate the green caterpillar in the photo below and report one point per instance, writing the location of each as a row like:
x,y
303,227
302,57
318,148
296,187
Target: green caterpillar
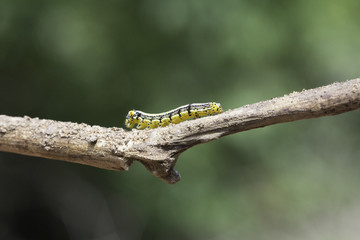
x,y
182,113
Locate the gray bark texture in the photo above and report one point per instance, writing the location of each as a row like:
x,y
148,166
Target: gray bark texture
x,y
158,149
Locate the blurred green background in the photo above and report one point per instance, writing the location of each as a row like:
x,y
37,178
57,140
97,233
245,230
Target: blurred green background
x,y
92,61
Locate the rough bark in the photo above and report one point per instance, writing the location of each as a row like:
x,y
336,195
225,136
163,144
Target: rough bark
x,y
158,149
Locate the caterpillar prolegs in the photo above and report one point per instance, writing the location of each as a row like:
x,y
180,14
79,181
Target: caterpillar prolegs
x,y
182,113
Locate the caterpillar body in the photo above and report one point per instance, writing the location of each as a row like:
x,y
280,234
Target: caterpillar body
x,y
182,113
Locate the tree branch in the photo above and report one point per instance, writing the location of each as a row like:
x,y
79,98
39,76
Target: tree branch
x,y
158,149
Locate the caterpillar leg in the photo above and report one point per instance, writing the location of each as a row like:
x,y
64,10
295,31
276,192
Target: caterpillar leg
x,y
143,123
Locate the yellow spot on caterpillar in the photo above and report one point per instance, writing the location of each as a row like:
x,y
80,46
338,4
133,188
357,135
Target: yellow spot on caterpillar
x,y
175,119
165,122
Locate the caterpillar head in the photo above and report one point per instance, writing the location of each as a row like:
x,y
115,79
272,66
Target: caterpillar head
x,y
131,119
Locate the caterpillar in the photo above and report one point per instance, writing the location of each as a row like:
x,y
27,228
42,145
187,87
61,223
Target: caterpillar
x,y
182,113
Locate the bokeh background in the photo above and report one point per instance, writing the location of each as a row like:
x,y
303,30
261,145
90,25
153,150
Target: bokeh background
x,y
92,61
